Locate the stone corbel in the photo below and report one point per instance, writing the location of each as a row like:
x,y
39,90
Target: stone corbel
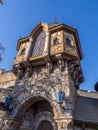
x,y
61,64
74,75
19,71
49,67
77,82
28,71
71,68
81,79
60,61
75,62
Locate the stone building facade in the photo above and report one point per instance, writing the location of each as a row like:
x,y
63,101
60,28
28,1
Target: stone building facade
x,y
41,92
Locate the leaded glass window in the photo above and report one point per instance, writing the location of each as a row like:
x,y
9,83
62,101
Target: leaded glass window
x,y
39,44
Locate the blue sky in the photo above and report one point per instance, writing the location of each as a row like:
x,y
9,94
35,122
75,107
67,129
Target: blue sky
x,y
19,17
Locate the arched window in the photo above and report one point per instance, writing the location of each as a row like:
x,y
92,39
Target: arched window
x,y
68,41
23,51
39,44
56,41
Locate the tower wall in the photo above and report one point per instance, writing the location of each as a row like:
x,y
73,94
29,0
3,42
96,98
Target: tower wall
x,y
47,66
45,85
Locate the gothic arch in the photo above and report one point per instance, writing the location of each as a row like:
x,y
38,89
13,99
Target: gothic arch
x,y
23,109
39,38
41,110
39,27
26,98
31,100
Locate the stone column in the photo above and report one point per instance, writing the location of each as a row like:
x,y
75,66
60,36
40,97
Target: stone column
x,y
46,48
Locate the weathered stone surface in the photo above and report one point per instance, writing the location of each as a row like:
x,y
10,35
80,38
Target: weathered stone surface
x,y
42,84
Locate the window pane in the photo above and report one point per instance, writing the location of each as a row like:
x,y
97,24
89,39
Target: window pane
x,y
39,44
56,41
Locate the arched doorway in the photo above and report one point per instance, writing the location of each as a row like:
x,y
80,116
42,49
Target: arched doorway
x,y
45,125
41,116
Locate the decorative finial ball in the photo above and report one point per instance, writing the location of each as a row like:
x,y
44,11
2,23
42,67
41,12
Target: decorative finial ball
x,y
96,86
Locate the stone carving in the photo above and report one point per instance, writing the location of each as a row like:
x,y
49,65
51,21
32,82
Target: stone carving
x,y
49,67
19,71
61,64
28,71
75,72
